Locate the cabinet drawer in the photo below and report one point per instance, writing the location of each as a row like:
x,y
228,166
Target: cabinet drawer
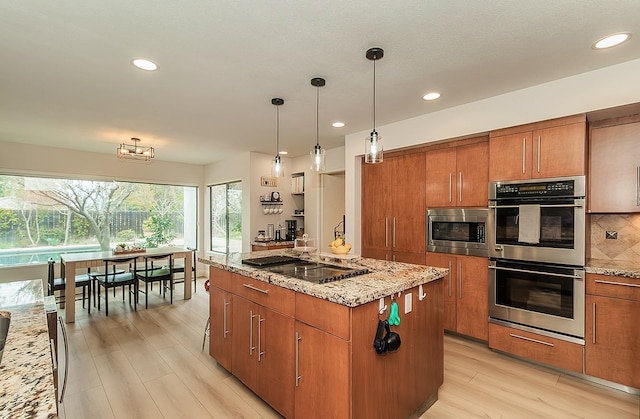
x,y
276,298
556,352
331,317
613,286
220,278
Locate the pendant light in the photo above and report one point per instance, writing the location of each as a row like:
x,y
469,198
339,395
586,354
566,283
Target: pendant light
x,y
277,170
317,154
373,143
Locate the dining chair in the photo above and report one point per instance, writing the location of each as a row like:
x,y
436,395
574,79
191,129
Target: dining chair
x,y
59,284
151,273
114,277
179,267
207,326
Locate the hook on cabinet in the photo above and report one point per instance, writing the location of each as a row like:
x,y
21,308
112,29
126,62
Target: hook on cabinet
x,y
382,307
421,294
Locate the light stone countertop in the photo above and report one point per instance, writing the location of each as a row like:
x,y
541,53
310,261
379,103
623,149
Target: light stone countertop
x,y
627,269
26,374
385,278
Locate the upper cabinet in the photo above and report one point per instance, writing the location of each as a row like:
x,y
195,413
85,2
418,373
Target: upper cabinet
x,y
553,148
393,209
457,175
615,165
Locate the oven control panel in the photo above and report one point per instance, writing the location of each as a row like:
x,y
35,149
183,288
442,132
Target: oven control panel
x,y
543,188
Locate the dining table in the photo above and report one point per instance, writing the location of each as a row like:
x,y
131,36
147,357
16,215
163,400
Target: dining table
x,y
73,261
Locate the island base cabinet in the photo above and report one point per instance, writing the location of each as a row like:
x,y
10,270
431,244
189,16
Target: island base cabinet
x,y
556,352
262,353
322,385
613,339
220,315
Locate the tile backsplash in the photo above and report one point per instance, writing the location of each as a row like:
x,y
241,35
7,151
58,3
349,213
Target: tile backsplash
x,y
626,247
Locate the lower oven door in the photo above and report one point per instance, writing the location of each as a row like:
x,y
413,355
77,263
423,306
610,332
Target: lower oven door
x,y
542,296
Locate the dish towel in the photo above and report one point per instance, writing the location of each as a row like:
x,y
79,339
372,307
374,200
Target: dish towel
x,y
529,227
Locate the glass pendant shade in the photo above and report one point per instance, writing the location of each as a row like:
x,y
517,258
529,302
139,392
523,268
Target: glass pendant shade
x,y
277,170
373,149
317,158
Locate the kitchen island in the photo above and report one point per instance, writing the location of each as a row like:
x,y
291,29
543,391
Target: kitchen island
x,y
307,348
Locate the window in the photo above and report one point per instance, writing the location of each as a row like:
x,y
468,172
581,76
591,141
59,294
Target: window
x,y
44,217
226,217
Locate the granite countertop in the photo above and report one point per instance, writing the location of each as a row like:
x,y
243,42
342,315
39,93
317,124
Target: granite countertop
x,y
26,374
386,277
627,269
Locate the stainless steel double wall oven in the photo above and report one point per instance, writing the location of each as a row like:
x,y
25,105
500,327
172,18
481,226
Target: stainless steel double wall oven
x,y
536,243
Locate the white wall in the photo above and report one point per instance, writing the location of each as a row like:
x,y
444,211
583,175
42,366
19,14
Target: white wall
x,y
600,89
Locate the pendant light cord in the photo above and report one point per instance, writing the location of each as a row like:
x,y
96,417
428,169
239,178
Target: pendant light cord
x,y
277,131
374,95
317,115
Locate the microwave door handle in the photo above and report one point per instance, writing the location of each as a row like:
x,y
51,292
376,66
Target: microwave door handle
x,y
541,206
535,272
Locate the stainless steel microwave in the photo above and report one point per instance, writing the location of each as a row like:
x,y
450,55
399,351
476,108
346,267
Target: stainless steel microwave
x,y
459,231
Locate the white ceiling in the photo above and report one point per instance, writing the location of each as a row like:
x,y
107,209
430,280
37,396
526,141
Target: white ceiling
x,y
67,81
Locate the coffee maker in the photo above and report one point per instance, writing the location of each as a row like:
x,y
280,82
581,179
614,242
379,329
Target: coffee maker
x,y
292,226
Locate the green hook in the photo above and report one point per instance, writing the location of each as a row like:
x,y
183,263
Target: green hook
x,y
394,318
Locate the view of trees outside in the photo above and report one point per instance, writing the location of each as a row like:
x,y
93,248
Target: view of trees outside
x,y
226,217
41,217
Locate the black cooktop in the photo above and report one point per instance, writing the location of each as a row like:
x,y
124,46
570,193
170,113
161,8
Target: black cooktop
x,y
305,270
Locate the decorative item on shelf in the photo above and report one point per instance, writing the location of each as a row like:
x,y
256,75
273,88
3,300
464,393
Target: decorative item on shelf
x,y
339,247
373,144
135,151
317,154
277,170
268,181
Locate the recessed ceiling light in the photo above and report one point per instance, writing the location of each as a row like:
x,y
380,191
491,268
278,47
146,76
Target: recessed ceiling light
x,y
611,40
431,96
338,124
144,64
283,152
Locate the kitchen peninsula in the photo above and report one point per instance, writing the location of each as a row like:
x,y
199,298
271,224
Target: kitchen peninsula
x,y
307,348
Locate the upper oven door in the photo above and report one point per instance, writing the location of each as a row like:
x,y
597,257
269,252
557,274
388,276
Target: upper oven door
x,y
457,230
559,231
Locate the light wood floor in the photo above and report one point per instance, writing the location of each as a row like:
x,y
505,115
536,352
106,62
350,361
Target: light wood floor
x,y
148,364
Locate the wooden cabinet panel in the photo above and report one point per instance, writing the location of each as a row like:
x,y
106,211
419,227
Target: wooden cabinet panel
x,y
441,178
335,318
323,363
220,315
409,257
449,285
262,293
560,151
540,150
614,168
220,278
556,352
613,286
458,176
510,157
612,339
466,294
473,174
276,371
393,206
473,296
244,341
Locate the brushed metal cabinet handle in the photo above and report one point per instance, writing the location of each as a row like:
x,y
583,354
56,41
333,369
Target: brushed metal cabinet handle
x,y
593,323
450,184
298,376
394,233
225,332
251,347
460,279
531,340
460,189
638,186
260,351
450,287
65,339
538,154
600,281
524,155
386,231
251,287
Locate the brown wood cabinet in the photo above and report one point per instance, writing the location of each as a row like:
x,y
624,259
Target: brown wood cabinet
x,y
544,349
612,335
546,149
393,209
614,171
458,175
220,315
465,291
320,362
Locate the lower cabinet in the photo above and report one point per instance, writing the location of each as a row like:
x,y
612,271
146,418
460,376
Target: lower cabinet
x,y
556,352
466,295
308,357
612,334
